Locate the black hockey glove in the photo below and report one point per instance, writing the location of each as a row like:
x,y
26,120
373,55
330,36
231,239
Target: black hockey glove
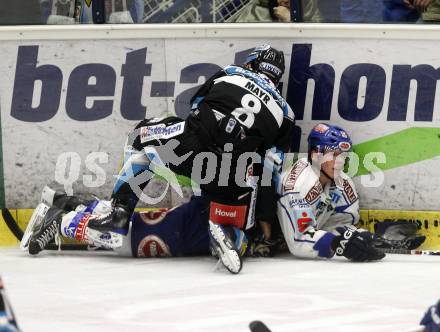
x,y
355,245
397,235
261,247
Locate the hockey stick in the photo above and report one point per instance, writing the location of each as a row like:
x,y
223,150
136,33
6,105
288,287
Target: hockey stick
x,y
12,224
258,326
410,252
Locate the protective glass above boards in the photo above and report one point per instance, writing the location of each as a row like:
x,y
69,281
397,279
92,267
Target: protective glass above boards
x,y
17,12
367,11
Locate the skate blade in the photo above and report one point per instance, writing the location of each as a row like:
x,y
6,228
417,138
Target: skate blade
x,y
36,218
230,258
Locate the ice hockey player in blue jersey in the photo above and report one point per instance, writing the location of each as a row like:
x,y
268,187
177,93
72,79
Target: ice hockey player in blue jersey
x,y
7,319
181,231
318,206
237,110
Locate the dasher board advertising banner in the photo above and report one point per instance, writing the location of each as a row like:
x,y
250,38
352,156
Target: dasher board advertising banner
x,y
68,105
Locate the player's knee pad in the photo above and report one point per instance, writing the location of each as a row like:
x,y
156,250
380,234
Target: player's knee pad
x,y
74,225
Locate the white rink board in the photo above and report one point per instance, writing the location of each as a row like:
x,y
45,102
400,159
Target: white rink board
x,y
31,149
94,292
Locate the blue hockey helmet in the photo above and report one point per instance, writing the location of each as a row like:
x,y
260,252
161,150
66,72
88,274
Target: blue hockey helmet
x,y
267,60
324,137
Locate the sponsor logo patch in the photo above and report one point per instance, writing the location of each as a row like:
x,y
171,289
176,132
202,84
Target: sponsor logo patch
x,y
298,202
349,191
304,222
153,246
80,233
231,125
267,67
228,214
313,193
321,128
290,181
160,131
344,146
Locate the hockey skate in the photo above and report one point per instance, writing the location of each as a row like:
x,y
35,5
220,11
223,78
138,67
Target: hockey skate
x,y
116,221
224,248
45,229
49,198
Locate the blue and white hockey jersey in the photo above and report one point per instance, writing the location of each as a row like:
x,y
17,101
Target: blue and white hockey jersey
x,y
309,212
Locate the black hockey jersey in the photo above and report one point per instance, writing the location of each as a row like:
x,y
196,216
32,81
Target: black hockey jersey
x,y
252,100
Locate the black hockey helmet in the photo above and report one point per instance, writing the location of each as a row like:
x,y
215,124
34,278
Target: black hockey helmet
x,y
267,60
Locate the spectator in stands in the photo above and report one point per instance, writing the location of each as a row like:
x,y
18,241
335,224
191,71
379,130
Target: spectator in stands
x,y
351,11
361,11
254,11
400,11
330,11
311,12
432,12
276,11
281,10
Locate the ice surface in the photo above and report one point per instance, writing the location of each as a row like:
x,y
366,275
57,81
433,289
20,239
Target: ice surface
x,y
98,291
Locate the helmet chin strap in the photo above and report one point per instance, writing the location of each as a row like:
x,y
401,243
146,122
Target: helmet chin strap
x,y
326,175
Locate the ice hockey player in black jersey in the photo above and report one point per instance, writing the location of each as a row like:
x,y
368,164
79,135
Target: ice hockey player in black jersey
x,y
238,110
